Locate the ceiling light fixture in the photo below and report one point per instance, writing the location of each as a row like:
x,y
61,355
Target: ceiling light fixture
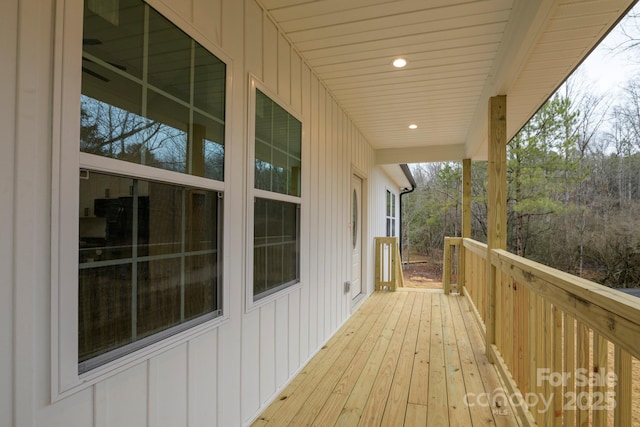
x,y
413,126
399,63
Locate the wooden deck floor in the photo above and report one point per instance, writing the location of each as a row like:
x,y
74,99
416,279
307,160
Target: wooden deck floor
x,y
403,359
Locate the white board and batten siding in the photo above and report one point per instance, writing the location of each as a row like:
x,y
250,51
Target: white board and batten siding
x,y
226,375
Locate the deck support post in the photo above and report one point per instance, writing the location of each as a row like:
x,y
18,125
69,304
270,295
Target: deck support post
x,y
466,222
497,206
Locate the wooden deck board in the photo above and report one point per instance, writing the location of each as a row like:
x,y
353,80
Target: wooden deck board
x,y
395,411
378,398
420,380
482,415
458,411
405,358
280,412
359,393
437,413
504,414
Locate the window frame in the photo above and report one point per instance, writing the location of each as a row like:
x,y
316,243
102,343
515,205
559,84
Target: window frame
x,y
67,160
253,193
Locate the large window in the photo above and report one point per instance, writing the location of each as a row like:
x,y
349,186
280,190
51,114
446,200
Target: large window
x,y
151,182
276,210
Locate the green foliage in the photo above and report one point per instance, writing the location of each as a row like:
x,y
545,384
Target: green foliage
x,y
573,193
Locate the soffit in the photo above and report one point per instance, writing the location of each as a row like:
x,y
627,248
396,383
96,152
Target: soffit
x,y
459,52
395,172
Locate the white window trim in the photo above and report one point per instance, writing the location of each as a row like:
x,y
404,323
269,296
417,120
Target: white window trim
x,y
394,213
66,163
252,192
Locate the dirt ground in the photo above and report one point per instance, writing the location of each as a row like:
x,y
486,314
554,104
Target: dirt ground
x,y
422,274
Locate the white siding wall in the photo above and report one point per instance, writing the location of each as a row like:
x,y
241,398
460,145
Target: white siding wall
x,y
223,377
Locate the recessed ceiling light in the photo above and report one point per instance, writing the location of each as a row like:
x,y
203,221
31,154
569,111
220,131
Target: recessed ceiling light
x,y
399,63
413,126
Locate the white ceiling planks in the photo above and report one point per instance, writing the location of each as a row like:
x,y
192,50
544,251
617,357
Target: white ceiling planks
x,y
459,53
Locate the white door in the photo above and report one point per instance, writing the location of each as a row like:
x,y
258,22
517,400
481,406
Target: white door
x,y
356,236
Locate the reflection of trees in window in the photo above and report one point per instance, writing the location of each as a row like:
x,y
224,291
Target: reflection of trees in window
x,y
151,94
276,249
278,140
109,131
149,250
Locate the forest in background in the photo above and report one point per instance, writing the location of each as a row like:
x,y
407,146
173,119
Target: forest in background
x,y
573,179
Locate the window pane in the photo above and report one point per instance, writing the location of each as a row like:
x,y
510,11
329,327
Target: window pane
x,y
207,153
275,220
159,218
105,218
388,203
274,266
295,138
259,270
260,221
278,140
280,128
264,117
263,166
149,263
209,82
158,295
115,36
354,219
290,262
202,214
111,125
280,169
276,257
294,177
165,142
201,284
176,122
169,57
104,309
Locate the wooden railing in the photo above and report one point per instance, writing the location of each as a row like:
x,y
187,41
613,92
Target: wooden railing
x,y
566,347
388,264
451,251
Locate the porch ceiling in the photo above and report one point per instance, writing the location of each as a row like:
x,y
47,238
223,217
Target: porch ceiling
x,y
459,53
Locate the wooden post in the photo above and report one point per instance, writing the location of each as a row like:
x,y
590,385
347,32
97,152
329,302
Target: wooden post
x,y
623,389
466,198
497,204
466,223
446,266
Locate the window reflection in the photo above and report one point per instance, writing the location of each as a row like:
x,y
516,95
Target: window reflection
x,y
149,252
171,118
278,139
276,245
149,259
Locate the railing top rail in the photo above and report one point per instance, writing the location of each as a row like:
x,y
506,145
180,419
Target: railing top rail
x,y
602,295
480,248
386,239
613,314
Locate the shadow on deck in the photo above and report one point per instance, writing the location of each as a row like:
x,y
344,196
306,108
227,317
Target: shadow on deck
x,y
414,357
